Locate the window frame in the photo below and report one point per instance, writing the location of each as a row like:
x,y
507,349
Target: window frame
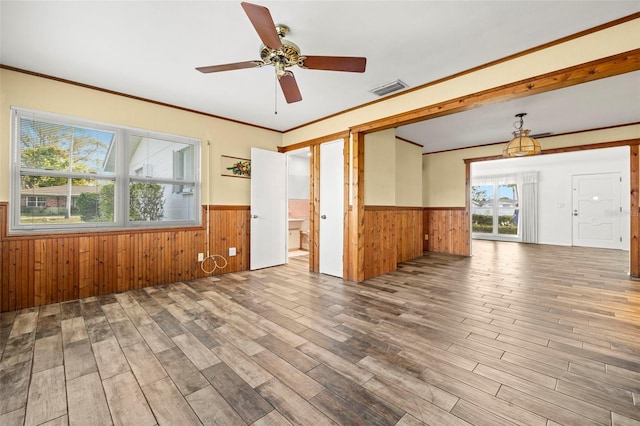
x,y
39,199
121,176
495,214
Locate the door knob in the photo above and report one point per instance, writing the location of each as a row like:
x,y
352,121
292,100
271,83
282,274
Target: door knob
x,y
255,216
575,212
324,216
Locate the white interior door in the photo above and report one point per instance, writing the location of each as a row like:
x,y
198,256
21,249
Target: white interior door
x,y
596,210
331,207
268,209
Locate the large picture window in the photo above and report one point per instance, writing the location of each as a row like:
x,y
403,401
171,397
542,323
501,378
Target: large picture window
x,y
69,174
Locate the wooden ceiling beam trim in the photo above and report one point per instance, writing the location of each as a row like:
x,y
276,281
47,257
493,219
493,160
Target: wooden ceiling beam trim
x,y
589,71
600,145
317,141
479,67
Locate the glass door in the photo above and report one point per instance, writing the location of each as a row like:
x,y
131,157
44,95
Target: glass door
x,y
495,211
482,211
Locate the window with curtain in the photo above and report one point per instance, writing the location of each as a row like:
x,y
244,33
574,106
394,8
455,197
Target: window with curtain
x,y
70,174
494,209
505,206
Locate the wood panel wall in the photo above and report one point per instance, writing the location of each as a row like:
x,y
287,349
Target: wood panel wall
x,y
409,232
42,269
447,230
391,235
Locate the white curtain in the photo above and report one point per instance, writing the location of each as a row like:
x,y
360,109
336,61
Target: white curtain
x,y
495,179
528,215
528,199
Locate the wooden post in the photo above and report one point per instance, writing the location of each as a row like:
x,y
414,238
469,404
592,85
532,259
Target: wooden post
x,y
634,186
354,253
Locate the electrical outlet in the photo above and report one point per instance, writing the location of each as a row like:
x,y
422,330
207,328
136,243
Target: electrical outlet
x,y
232,251
426,237
200,257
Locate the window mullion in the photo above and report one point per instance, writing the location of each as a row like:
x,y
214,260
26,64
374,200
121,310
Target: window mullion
x,y
122,180
63,174
15,171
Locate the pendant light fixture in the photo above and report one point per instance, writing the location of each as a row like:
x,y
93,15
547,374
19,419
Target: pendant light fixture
x,y
522,144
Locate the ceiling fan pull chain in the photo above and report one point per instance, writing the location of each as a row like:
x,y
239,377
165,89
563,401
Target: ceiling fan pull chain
x,y
275,94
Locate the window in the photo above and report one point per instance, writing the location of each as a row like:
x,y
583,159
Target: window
x,y
35,201
69,175
495,210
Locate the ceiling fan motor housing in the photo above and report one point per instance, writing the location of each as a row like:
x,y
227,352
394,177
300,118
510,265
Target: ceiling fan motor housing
x,y
288,55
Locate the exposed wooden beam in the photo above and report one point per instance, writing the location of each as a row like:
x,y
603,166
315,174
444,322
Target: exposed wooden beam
x,y
317,141
613,144
589,71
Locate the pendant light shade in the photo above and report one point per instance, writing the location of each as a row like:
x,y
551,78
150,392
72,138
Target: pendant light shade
x,y
522,144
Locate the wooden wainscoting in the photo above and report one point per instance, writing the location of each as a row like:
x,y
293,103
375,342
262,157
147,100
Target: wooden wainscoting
x,y
409,230
391,235
42,269
447,229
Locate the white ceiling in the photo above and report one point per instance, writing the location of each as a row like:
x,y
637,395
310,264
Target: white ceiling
x,y
150,49
601,103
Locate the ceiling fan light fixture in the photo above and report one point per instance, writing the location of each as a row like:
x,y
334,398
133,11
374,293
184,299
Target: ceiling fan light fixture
x,y
522,144
387,88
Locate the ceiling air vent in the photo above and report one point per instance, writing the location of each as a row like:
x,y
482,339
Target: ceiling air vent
x,y
385,89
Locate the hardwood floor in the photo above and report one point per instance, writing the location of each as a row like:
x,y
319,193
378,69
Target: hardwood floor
x,y
516,334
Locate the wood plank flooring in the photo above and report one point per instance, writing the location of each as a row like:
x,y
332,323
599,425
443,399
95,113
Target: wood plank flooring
x,y
516,334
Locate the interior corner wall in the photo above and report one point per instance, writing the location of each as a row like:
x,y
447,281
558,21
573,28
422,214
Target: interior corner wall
x,y
380,168
408,174
298,178
226,137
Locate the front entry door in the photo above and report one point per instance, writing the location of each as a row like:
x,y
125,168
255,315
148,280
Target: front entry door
x,y
596,210
268,208
331,208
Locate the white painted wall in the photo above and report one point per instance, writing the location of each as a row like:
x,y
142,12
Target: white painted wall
x,y
408,174
380,168
298,177
554,188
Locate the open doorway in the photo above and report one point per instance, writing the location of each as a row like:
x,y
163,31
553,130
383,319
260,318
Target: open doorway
x,y
552,215
298,178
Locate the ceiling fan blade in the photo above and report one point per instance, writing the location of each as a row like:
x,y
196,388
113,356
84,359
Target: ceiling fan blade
x,y
335,63
261,19
290,88
229,67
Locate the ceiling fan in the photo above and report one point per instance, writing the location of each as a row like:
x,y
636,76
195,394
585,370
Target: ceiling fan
x,y
283,54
